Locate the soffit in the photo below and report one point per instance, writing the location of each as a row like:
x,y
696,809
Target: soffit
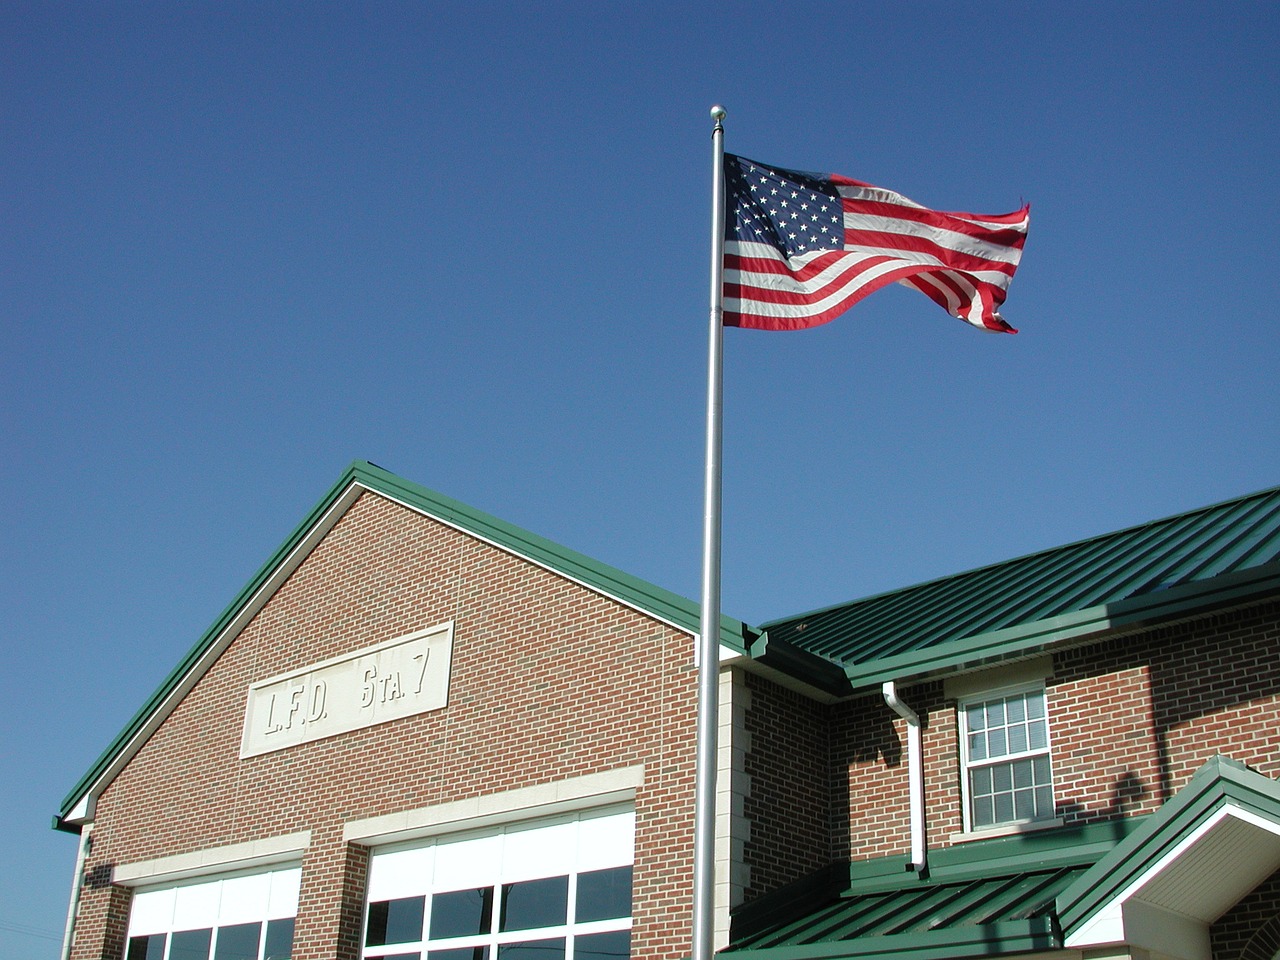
x,y
1232,856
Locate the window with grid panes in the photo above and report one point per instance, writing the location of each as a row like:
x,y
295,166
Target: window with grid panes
x,y
1005,753
246,917
554,890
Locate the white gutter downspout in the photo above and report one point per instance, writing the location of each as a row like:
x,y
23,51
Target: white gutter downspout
x,y
915,775
77,884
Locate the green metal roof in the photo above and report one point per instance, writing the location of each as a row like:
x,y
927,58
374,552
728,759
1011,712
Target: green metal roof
x,y
1021,893
358,478
1160,569
999,913
980,899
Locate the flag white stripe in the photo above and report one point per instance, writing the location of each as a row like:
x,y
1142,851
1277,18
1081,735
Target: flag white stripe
x,y
769,309
947,239
962,309
785,281
877,195
856,256
953,302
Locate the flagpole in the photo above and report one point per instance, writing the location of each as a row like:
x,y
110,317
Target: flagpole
x,y
704,819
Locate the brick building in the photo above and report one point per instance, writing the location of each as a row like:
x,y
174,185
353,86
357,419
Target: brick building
x,y
420,732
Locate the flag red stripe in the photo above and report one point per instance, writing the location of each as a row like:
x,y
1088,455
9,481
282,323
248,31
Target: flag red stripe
x,y
769,265
1017,216
799,320
747,294
941,220
878,240
985,317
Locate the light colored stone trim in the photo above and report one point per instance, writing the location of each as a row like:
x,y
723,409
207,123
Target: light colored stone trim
x,y
1007,830
733,786
577,793
234,856
1034,670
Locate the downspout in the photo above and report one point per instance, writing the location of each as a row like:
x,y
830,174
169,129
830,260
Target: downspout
x,y
77,884
915,776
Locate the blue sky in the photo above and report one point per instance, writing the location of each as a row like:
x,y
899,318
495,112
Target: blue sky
x,y
245,244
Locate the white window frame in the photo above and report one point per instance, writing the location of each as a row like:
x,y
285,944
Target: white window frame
x,y
967,766
566,845
254,895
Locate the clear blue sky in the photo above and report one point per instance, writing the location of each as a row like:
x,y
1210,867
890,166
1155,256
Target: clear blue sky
x,y
245,244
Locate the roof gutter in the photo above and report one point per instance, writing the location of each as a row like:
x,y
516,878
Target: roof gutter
x,y
915,776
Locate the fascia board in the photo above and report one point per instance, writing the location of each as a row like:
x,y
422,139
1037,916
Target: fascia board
x,y
1135,857
1127,919
1023,639
1018,853
825,677
358,478
1108,922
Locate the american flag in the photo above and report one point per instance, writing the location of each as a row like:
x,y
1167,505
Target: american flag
x,y
801,248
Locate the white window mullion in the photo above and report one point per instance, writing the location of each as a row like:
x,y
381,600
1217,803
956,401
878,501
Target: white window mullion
x,y
564,850
1006,724
214,905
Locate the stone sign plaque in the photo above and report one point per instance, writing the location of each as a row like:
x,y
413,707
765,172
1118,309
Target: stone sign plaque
x,y
395,679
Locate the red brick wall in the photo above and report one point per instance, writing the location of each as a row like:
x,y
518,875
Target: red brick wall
x,y
549,681
1251,929
1168,700
788,806
869,759
1131,719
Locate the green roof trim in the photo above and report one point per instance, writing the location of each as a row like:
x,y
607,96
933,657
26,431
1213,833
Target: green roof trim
x,y
981,898
363,476
1221,781
993,938
645,596
1185,564
822,675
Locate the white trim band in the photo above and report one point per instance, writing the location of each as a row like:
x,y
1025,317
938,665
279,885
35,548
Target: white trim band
x,y
234,856
561,796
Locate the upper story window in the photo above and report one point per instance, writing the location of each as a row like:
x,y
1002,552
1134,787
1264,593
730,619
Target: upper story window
x,y
245,917
1004,741
549,891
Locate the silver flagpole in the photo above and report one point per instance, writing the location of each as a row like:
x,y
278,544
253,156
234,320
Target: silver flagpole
x,y
704,817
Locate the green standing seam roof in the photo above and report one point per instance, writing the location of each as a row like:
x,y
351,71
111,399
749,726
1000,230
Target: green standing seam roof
x,y
361,475
983,898
990,909
1158,569
1015,894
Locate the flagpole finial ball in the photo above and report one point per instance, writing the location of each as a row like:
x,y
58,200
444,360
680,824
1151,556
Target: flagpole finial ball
x,y
717,113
